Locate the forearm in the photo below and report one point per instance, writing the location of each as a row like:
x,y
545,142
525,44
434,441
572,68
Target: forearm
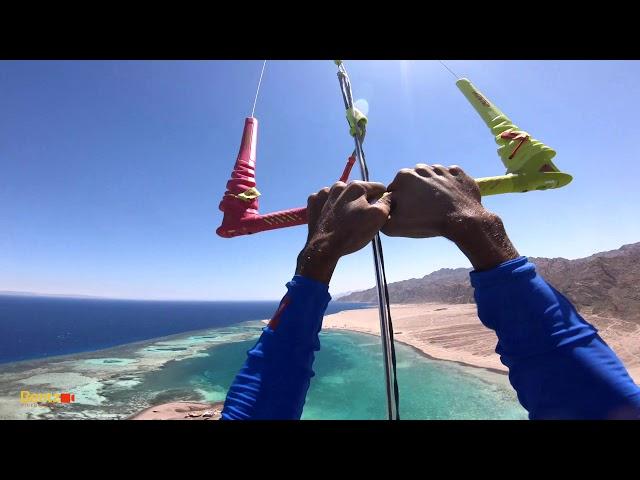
x,y
558,364
274,380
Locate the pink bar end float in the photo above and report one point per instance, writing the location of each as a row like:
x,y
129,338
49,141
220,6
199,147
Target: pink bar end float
x,y
240,201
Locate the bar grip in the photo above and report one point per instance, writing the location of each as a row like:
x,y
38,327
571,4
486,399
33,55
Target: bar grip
x,y
261,223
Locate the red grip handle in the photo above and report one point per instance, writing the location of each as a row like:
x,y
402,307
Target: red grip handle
x,y
261,223
241,216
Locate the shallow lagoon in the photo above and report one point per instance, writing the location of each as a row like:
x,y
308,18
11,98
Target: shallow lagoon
x,y
349,382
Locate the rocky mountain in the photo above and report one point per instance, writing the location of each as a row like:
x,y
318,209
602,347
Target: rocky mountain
x,y
606,283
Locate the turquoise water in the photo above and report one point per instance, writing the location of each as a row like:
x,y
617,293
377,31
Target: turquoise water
x,y
349,382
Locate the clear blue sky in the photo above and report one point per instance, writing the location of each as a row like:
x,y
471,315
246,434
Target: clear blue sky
x,y
111,172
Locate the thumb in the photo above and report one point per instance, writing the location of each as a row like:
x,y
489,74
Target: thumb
x,y
382,208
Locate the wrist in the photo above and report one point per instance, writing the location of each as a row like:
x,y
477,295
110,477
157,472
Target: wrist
x,y
316,264
484,241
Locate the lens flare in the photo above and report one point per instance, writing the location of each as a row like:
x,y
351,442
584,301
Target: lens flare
x,y
362,105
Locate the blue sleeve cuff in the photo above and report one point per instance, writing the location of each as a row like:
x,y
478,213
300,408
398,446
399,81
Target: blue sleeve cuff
x,y
301,321
503,273
311,286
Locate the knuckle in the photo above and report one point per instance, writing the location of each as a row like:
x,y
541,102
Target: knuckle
x,y
357,186
439,170
322,194
405,174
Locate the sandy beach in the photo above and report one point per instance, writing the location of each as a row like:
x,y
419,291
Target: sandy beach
x,y
454,333
181,411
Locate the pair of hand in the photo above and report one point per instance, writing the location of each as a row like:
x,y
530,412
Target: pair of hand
x,y
425,201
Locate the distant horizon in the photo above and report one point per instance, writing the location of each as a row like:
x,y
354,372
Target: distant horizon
x,y
12,293
335,296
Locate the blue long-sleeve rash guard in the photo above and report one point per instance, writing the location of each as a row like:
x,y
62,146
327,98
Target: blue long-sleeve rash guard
x,y
558,364
274,380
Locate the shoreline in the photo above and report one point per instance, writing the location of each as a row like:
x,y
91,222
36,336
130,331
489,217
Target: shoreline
x,y
180,410
424,354
454,333
436,331
439,332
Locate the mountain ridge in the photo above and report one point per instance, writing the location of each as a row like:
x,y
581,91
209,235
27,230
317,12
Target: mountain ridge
x,y
605,283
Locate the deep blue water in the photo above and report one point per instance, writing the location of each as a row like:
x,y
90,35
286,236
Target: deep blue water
x,y
34,327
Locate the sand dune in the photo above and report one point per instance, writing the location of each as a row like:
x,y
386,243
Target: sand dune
x,y
454,332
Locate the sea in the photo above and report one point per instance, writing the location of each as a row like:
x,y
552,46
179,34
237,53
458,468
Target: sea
x,y
120,356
